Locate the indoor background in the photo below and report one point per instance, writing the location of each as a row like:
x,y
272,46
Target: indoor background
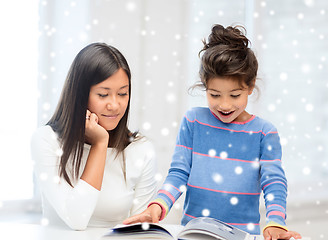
x,y
161,40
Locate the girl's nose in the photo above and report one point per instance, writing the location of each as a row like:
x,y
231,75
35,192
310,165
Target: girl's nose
x,y
225,105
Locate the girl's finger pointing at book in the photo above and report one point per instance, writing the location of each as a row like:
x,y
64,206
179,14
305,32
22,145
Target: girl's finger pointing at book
x,y
131,220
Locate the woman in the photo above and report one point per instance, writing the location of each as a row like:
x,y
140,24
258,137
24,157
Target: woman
x,y
92,171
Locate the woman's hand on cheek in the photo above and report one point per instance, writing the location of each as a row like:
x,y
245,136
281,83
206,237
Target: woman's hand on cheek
x,y
94,133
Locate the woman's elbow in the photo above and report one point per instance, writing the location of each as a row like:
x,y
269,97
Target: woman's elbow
x,y
77,224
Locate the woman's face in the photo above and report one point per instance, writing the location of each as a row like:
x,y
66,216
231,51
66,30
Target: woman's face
x,y
109,99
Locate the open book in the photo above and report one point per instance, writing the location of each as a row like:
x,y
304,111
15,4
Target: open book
x,y
204,228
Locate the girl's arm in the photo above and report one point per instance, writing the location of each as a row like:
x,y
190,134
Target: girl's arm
x,y
273,181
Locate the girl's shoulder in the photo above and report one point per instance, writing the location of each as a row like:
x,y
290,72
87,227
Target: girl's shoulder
x,y
197,113
265,125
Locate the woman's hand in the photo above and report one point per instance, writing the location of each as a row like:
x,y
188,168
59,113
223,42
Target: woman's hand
x,y
151,214
94,133
275,233
98,137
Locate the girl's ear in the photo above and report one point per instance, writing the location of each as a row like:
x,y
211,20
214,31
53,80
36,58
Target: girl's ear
x,y
251,88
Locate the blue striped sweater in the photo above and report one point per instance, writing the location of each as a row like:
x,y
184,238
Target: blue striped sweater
x,y
224,167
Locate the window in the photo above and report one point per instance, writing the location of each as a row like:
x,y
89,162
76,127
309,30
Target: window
x,y
19,49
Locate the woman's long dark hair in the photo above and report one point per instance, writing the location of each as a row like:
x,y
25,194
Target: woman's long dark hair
x,y
92,65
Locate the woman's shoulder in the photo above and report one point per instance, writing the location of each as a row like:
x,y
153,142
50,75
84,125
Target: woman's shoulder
x,y
141,145
45,131
141,142
44,134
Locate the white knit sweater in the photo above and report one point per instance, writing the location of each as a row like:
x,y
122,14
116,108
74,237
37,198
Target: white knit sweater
x,y
84,205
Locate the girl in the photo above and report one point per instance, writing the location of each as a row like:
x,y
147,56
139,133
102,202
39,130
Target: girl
x,y
224,156
91,169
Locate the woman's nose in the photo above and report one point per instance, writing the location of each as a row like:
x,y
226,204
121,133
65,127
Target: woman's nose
x,y
113,104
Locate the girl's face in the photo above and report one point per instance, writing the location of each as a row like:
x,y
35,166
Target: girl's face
x,y
109,99
227,99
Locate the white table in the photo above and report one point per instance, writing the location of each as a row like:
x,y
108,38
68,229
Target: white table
x,y
17,231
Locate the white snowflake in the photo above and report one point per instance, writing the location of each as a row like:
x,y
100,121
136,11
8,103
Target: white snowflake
x,y
206,212
270,197
56,179
146,126
147,18
46,106
250,226
59,152
238,170
223,155
182,188
291,118
305,68
309,3
283,76
135,201
158,177
256,163
44,221
234,201
309,107
283,141
177,36
306,170
170,97
165,131
300,16
145,226
138,163
177,206
217,178
130,6
212,153
43,176
271,107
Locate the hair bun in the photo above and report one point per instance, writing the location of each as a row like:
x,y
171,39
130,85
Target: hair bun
x,y
232,37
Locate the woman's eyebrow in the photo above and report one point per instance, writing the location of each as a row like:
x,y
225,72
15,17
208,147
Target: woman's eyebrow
x,y
106,88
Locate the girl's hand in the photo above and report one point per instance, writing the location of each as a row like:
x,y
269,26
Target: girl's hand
x,y
94,133
151,214
275,233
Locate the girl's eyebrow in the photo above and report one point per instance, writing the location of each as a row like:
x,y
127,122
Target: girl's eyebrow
x,y
106,88
237,89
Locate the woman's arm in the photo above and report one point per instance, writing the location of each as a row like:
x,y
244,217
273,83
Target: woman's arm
x,y
75,205
98,137
147,186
